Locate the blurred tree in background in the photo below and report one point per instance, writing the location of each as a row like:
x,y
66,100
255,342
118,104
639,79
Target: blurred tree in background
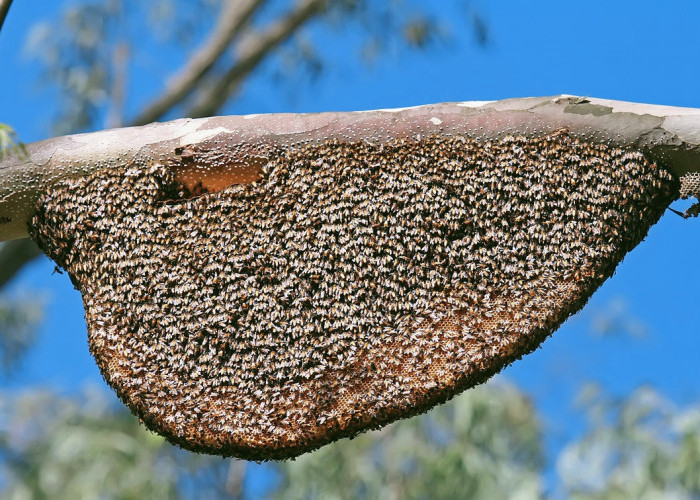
x,y
640,447
487,443
75,448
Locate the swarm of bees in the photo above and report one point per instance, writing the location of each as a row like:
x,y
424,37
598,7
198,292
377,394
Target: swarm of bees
x,y
352,285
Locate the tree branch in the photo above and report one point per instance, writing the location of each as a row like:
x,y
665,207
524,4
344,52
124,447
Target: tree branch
x,y
4,8
234,16
667,135
14,255
252,52
235,478
115,113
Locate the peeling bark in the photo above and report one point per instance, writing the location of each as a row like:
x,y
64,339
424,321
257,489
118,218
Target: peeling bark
x,y
668,135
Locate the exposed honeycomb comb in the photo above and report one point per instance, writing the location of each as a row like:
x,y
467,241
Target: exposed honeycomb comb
x,y
690,186
351,285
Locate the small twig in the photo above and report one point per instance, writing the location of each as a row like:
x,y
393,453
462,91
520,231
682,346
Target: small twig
x,y
680,214
693,211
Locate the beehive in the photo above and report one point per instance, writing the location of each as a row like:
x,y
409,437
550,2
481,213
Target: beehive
x,y
353,284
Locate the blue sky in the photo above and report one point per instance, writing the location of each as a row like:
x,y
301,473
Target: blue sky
x,y
636,51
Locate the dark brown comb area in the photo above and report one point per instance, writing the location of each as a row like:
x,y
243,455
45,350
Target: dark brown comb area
x,y
352,285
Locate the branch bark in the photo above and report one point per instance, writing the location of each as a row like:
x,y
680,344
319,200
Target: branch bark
x,y
253,51
235,15
668,135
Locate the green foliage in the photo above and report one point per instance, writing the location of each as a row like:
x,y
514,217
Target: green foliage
x,y
486,443
56,447
9,142
637,447
76,56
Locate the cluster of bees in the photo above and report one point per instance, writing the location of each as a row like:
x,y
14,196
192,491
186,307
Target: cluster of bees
x,y
353,284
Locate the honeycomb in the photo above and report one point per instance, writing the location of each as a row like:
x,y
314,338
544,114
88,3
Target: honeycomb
x,y
690,186
352,284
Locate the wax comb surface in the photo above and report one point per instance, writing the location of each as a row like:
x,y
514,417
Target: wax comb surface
x,y
352,285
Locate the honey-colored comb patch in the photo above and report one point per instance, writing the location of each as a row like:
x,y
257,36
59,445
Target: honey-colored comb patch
x,y
201,171
352,285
